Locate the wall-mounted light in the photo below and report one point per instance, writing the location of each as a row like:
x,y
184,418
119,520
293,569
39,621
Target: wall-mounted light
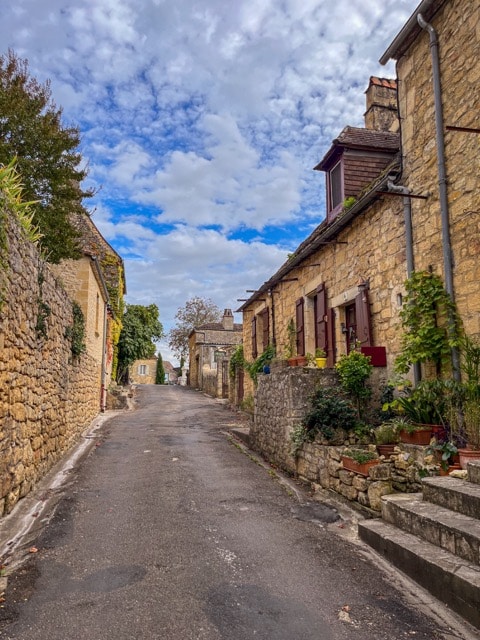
x,y
343,328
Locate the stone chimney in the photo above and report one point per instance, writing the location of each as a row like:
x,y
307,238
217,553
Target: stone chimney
x,y
227,320
382,106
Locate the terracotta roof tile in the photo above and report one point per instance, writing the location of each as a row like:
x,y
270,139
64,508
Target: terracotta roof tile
x,y
390,83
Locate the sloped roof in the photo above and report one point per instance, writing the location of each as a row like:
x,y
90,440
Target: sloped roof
x,y
326,232
218,326
361,138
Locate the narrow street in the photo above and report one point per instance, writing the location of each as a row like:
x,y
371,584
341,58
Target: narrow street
x,y
168,531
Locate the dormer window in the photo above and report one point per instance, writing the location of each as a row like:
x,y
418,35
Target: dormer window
x,y
335,187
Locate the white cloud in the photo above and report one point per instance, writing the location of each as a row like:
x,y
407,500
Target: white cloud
x,y
205,113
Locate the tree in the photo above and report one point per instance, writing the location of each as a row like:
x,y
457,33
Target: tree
x,y
194,313
160,372
31,130
141,327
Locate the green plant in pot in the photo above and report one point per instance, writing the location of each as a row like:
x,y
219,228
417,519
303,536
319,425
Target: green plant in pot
x,y
443,452
359,460
320,358
354,370
386,437
290,348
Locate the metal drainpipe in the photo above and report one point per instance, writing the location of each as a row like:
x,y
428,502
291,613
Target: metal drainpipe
x,y
442,178
407,214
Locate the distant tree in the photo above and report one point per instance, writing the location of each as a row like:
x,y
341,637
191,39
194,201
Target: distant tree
x,y
140,329
31,130
194,313
160,372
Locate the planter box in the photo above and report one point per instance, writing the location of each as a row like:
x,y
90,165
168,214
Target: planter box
x,y
420,436
468,455
361,468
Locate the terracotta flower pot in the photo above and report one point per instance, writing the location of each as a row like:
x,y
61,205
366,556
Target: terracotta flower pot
x,y
385,449
419,436
468,455
292,362
361,468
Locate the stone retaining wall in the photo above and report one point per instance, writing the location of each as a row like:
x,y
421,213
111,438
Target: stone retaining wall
x,y
281,401
46,400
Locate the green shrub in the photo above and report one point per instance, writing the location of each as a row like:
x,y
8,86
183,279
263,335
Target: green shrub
x,y
329,412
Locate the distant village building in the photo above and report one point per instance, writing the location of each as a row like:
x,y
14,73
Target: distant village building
x,y
210,348
144,371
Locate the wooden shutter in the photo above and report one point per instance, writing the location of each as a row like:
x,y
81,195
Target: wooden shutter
x,y
321,318
299,307
362,313
330,337
265,328
254,337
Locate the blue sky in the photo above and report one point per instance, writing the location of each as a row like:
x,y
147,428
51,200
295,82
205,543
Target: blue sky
x,y
201,121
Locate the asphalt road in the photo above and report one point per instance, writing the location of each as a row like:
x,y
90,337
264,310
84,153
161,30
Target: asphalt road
x,y
168,531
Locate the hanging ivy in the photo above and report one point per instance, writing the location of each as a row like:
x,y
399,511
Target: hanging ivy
x,y
76,331
430,322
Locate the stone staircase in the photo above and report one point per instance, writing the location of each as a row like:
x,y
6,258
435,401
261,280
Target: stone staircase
x,y
434,537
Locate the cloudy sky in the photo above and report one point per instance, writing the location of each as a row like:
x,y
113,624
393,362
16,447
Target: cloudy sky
x,y
201,121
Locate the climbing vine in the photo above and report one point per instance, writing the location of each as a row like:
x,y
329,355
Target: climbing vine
x,y
430,322
76,331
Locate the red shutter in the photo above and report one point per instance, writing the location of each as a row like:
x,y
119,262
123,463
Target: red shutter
x,y
321,319
299,305
254,337
330,337
265,328
362,313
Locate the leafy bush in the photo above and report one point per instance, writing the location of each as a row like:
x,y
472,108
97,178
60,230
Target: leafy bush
x,y
329,412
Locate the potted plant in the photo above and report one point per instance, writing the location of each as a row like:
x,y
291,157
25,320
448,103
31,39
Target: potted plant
x,y
386,438
359,460
445,454
320,358
354,370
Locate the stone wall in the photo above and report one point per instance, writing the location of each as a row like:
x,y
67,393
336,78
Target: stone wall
x,y
46,400
281,402
457,24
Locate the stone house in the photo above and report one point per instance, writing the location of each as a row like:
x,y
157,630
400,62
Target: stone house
x,y
341,285
399,198
96,281
144,371
210,349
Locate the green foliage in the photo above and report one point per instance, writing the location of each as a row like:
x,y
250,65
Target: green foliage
x,y
298,436
425,404
256,367
160,371
141,327
32,131
444,450
360,455
290,349
348,203
329,411
237,361
76,332
354,370
386,433
195,313
430,323
248,404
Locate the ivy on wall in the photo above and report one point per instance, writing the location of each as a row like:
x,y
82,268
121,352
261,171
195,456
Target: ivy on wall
x,y
76,331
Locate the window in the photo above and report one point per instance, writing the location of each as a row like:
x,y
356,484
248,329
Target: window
x,y
142,369
335,187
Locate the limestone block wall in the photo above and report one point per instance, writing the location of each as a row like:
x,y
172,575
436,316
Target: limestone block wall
x,y
457,24
46,400
281,402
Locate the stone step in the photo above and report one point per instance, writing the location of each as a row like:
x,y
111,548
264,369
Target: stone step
x,y
452,580
473,470
452,493
442,527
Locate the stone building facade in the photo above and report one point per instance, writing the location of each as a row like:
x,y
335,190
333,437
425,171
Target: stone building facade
x,y
456,37
210,349
47,397
345,282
